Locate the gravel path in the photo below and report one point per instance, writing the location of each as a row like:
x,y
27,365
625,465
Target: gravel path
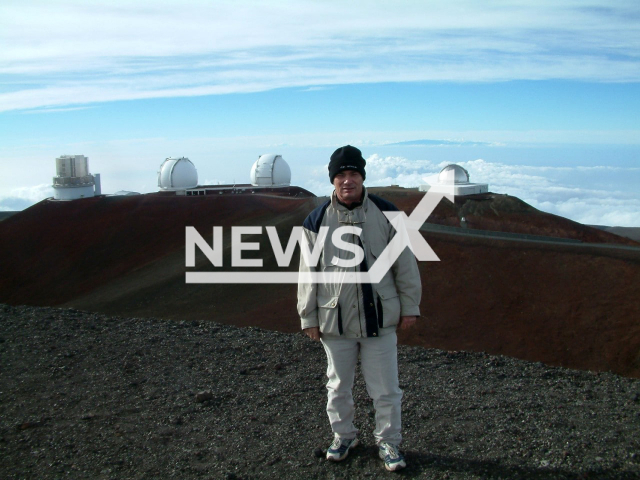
x,y
89,396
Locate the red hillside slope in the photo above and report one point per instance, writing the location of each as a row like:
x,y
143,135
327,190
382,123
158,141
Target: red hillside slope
x,y
563,304
56,251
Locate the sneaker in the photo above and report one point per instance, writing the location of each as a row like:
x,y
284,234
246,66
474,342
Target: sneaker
x,y
339,449
393,459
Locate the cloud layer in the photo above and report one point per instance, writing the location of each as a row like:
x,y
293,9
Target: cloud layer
x,y
21,198
56,53
591,195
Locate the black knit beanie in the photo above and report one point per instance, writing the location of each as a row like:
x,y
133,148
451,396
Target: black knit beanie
x,y
346,158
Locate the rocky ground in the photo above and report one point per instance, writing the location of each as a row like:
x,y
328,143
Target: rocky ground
x,y
84,395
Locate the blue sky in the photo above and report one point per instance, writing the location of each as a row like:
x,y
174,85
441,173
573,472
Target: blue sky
x,y
540,99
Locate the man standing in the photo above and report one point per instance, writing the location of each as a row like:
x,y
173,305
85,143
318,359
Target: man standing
x,y
352,319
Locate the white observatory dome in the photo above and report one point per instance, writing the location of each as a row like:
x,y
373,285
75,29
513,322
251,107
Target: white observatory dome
x,y
270,170
177,174
453,175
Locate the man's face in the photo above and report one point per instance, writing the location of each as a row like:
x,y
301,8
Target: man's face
x,y
348,185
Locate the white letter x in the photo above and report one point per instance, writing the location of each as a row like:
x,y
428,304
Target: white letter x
x,y
408,235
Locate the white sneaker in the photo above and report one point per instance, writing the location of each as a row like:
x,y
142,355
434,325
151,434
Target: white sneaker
x,y
339,449
393,459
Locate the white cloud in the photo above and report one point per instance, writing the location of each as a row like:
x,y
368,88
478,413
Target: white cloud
x,y
55,110
23,197
68,52
587,194
382,171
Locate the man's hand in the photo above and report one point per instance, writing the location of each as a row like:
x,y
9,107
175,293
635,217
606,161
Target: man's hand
x,y
407,322
313,333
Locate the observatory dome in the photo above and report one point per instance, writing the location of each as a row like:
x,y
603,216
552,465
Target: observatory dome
x,y
177,174
270,170
453,175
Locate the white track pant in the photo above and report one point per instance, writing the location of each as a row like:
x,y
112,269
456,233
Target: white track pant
x,y
379,363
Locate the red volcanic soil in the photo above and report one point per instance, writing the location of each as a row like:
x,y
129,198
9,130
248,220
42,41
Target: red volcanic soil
x,y
562,304
55,251
558,304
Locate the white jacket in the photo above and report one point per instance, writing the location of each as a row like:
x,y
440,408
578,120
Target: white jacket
x,y
357,310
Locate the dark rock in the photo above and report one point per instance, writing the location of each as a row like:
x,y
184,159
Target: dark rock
x,y
204,396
